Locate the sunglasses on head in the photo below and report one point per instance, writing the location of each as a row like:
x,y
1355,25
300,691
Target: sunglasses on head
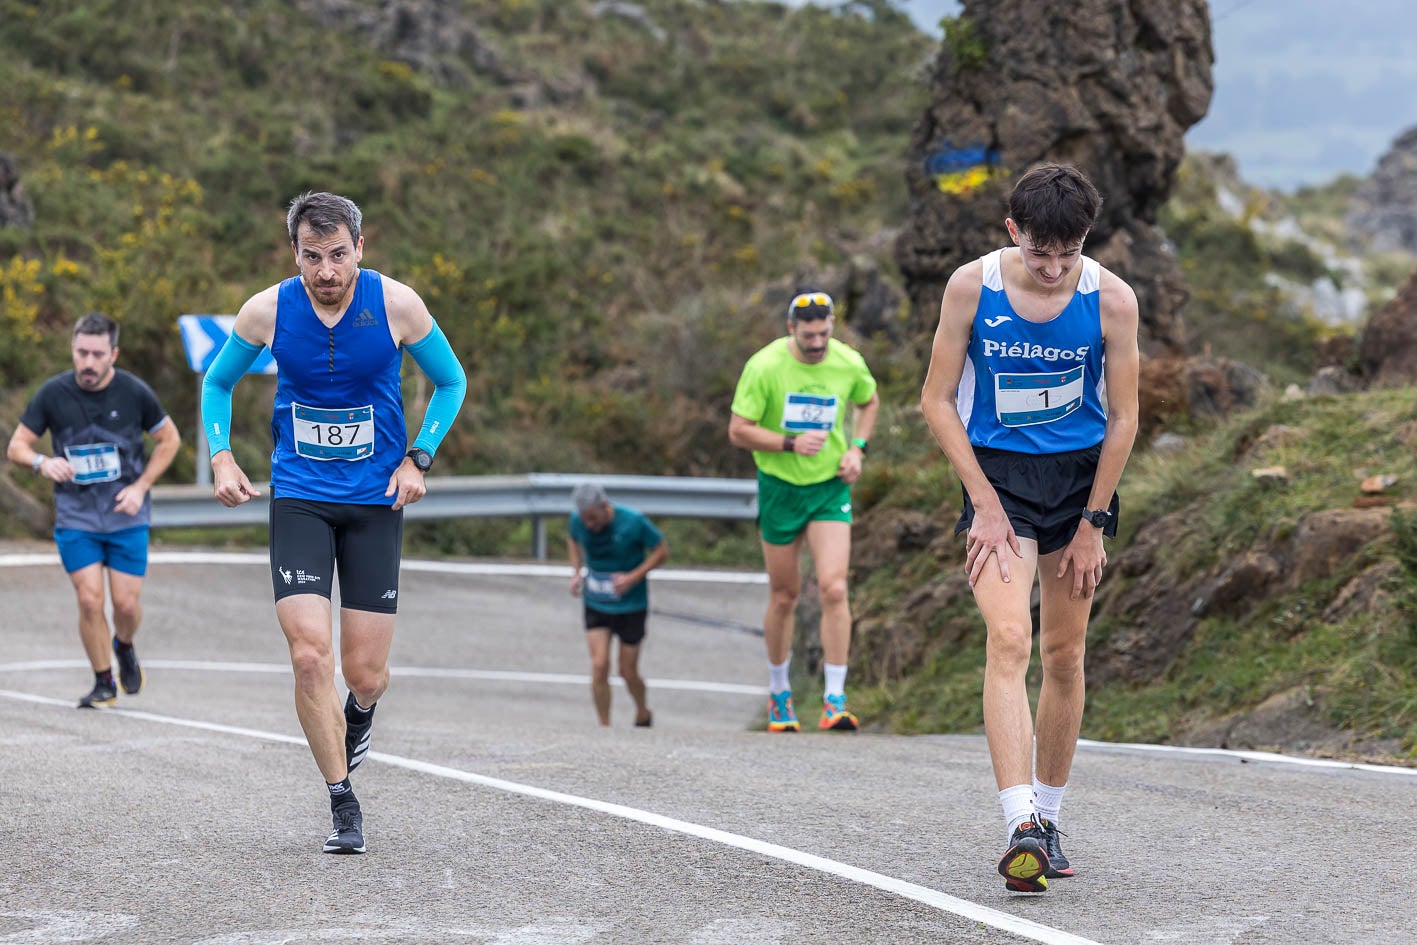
x,y
809,299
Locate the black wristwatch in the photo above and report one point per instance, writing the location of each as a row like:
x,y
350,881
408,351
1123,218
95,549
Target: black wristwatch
x,y
421,458
789,444
1098,517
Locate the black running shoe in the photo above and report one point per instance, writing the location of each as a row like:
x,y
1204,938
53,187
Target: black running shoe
x,y
356,734
1025,863
130,674
348,833
104,694
1057,863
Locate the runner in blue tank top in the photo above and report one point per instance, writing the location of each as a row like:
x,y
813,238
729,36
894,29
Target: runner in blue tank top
x,y
1032,395
340,474
338,424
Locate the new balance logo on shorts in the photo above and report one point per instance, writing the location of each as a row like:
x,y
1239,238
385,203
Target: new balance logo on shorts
x,y
390,594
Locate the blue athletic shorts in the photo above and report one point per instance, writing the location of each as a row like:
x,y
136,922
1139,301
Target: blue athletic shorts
x,y
125,550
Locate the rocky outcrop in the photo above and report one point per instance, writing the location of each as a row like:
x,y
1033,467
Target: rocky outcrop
x,y
15,206
1154,611
1111,87
1387,353
1171,388
435,37
1383,209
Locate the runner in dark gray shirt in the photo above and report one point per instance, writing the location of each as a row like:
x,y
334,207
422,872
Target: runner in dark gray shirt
x,y
96,416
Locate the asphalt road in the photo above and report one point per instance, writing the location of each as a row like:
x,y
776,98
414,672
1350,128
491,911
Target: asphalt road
x,y
498,812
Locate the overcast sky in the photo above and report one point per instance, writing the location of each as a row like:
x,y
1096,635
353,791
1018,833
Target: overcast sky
x,y
1305,90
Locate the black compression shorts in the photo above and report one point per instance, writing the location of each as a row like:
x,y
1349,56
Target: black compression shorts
x,y
310,541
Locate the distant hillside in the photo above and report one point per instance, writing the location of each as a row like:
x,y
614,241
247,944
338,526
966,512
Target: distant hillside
x,y
1273,278
603,203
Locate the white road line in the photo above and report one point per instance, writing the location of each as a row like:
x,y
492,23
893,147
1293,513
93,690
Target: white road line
x,y
1247,755
687,575
944,902
693,685
430,672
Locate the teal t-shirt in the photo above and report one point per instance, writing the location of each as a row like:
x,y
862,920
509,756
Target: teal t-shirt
x,y
620,546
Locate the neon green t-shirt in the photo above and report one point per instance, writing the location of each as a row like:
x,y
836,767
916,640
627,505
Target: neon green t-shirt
x,y
778,392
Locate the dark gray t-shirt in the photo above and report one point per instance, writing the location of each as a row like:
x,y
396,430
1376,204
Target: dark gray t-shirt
x,y
100,433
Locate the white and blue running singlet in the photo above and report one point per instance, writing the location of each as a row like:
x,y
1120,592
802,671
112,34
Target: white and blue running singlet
x,y
338,420
1034,387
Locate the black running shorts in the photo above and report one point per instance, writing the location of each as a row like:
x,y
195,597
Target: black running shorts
x,y
310,541
630,628
1044,495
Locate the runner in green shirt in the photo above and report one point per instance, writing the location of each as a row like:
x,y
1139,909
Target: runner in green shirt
x,y
790,409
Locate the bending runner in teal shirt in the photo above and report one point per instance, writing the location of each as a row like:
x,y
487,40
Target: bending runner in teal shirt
x,y
612,549
790,409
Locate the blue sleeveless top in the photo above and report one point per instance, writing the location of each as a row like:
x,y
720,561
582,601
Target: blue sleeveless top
x,y
338,423
1034,387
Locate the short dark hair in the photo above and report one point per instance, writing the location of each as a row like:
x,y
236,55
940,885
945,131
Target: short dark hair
x,y
97,323
325,213
1054,204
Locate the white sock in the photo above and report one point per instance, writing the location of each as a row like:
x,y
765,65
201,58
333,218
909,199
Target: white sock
x,y
1017,802
836,679
777,675
1047,800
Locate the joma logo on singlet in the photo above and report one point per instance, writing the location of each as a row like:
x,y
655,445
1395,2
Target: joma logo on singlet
x,y
1001,349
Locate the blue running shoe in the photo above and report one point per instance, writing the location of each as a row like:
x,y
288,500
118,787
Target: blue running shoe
x,y
781,716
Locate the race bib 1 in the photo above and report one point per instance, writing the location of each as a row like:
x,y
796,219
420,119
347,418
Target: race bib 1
x,y
1023,400
94,462
342,433
804,412
599,587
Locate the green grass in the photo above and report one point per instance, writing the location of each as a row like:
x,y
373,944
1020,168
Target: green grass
x,y
1360,668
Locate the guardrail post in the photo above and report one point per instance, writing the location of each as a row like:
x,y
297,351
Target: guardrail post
x,y
538,538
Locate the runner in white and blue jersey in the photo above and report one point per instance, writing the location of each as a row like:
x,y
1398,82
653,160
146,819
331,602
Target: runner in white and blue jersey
x,y
1032,395
340,473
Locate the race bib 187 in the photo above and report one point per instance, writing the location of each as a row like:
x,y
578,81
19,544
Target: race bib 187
x,y
340,433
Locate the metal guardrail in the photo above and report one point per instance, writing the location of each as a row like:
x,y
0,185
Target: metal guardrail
x,y
535,494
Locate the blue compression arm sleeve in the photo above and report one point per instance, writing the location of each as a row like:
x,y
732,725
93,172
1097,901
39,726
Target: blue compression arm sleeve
x,y
435,356
232,361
